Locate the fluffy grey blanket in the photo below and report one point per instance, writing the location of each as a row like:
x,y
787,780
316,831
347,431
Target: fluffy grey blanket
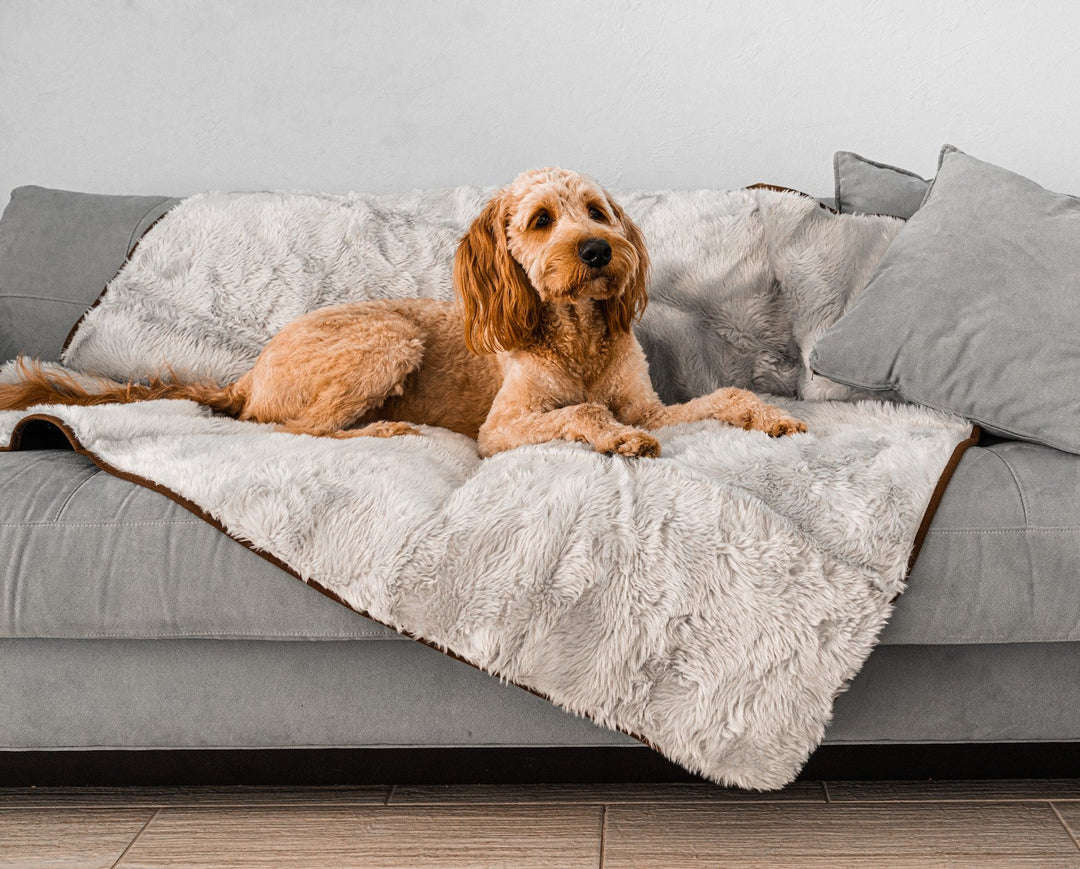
x,y
743,281
712,602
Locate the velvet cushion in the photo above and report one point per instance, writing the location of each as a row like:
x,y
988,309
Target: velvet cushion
x,y
866,187
975,307
57,251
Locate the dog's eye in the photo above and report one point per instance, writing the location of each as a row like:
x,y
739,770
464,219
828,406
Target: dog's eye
x,y
597,215
542,220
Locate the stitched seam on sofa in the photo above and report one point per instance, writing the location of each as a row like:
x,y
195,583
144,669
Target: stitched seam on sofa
x,y
902,740
135,229
1016,480
31,298
74,492
954,639
205,635
199,746
54,524
1029,529
935,499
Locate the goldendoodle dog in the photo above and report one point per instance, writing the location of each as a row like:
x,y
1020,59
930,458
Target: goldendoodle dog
x,y
538,347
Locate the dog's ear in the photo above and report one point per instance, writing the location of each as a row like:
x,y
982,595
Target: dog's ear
x,y
502,310
622,310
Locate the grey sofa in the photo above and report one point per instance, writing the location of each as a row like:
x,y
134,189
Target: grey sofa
x,y
128,623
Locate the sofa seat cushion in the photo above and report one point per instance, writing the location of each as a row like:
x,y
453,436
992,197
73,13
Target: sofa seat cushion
x,y
94,556
89,555
1001,562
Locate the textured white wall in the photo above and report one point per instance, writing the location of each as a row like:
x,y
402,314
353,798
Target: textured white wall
x,y
176,96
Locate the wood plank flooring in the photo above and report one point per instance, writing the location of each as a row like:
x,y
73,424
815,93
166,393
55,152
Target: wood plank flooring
x,y
901,824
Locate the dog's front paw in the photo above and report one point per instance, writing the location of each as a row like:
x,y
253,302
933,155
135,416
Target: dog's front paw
x,y
381,429
781,425
744,409
386,429
629,443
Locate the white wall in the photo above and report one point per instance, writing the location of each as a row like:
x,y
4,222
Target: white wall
x,y
176,96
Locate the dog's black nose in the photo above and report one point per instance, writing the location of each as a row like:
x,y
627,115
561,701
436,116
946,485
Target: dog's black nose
x,y
594,252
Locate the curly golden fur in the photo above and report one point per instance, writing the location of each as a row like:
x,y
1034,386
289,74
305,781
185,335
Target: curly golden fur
x,y
549,278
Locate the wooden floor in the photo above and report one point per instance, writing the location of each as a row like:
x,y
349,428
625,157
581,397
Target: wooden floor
x,y
846,824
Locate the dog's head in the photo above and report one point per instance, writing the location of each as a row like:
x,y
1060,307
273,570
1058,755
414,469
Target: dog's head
x,y
552,237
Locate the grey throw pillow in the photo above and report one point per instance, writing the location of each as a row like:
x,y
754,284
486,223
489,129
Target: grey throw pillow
x,y
866,187
975,307
58,250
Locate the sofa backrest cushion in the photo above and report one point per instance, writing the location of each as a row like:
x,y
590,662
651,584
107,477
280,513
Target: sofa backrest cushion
x,y
58,250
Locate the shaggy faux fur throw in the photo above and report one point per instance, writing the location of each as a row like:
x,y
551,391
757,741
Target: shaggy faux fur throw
x,y
743,281
711,602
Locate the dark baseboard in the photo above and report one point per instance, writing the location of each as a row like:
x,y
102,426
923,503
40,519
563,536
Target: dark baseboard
x,y
507,765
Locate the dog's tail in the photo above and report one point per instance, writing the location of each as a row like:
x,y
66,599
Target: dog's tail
x,y
37,385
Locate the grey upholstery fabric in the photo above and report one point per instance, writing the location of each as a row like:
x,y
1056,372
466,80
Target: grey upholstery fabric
x,y
980,693
866,187
248,694
57,251
228,694
973,309
99,557
1000,564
